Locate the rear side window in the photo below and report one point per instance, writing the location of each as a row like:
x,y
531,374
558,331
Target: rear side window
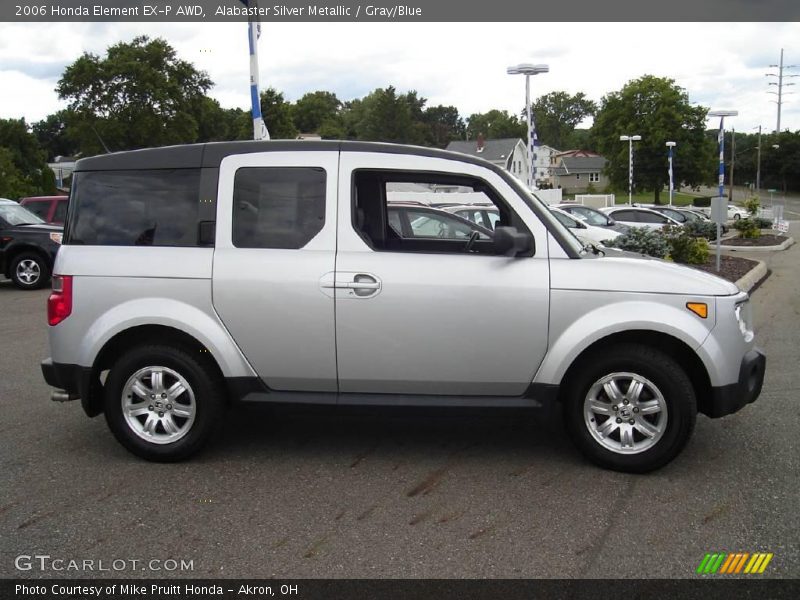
x,y
277,207
156,207
626,215
647,217
60,215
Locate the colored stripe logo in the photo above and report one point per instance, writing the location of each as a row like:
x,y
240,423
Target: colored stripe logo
x,y
723,563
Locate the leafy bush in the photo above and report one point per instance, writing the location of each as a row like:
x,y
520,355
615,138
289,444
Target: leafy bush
x,y
684,247
763,223
643,241
752,205
701,229
747,228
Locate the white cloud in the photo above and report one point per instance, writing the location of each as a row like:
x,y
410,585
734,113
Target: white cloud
x,y
463,64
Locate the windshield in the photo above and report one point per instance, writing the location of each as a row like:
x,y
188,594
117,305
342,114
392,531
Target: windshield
x,y
545,214
590,216
14,214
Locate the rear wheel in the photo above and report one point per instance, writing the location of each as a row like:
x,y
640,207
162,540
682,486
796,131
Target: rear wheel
x,y
30,271
162,403
630,408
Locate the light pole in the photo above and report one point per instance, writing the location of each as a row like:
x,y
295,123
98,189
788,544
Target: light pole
x,y
721,137
630,139
670,145
758,167
528,69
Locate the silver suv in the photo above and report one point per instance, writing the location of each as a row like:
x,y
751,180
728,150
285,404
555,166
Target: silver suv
x,y
194,277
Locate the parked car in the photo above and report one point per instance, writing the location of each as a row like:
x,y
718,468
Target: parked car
x,y
634,216
196,276
592,216
734,212
410,220
28,246
51,209
485,215
684,215
583,231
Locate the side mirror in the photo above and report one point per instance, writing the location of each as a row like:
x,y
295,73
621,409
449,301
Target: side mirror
x,y
510,242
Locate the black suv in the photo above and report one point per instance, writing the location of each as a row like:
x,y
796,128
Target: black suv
x,y
28,246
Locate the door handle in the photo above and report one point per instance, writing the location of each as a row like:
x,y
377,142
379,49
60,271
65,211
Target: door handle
x,y
359,285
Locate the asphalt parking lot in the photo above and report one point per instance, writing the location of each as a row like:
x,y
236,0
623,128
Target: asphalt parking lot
x,y
363,496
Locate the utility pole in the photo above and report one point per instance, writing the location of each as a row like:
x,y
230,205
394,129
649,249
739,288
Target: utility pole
x,y
780,93
758,169
733,160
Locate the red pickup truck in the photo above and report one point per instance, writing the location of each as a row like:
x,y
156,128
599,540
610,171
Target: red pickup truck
x,y
52,209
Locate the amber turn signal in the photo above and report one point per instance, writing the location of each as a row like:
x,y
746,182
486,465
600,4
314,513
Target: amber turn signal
x,y
698,308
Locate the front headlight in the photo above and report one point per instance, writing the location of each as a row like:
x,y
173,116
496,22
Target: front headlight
x,y
56,237
744,318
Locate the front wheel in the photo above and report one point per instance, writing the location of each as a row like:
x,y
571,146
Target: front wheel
x,y
630,408
163,403
737,216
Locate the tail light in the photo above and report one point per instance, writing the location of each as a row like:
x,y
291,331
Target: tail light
x,y
59,304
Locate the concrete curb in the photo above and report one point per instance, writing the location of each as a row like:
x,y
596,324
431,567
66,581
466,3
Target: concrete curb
x,y
749,280
783,246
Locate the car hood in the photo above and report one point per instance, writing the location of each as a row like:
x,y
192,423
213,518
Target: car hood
x,y
619,271
42,227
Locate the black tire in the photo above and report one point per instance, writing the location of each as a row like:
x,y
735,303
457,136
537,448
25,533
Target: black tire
x,y
30,271
204,383
662,371
736,216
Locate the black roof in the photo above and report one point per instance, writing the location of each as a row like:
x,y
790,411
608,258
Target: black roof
x,y
210,154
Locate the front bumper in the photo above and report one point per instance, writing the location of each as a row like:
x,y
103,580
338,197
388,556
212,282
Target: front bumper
x,y
728,399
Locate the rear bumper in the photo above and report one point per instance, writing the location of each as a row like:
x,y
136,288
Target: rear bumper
x,y
77,382
728,399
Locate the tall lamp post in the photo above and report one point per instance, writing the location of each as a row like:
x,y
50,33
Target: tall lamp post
x,y
721,137
670,145
528,69
630,139
758,168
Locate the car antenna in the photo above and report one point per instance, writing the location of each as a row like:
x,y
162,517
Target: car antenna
x,y
101,139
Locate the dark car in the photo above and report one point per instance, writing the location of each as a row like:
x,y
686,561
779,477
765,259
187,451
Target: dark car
x,y
28,246
51,209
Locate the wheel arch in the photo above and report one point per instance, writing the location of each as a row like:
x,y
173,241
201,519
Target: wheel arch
x,y
677,349
134,336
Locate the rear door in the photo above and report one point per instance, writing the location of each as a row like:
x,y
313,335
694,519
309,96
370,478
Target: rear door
x,y
275,252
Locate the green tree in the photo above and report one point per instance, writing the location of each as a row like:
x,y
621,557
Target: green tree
x,y
12,182
277,113
30,174
444,125
51,133
383,116
140,94
496,124
658,110
315,109
557,114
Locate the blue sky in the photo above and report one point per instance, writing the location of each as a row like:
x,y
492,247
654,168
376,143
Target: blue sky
x,y
722,65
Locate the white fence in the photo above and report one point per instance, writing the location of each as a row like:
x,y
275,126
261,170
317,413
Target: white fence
x,y
595,200
549,197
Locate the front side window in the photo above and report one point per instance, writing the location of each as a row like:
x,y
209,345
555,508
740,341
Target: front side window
x,y
152,207
630,216
397,211
278,207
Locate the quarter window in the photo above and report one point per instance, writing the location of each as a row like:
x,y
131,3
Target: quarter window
x,y
278,207
156,207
